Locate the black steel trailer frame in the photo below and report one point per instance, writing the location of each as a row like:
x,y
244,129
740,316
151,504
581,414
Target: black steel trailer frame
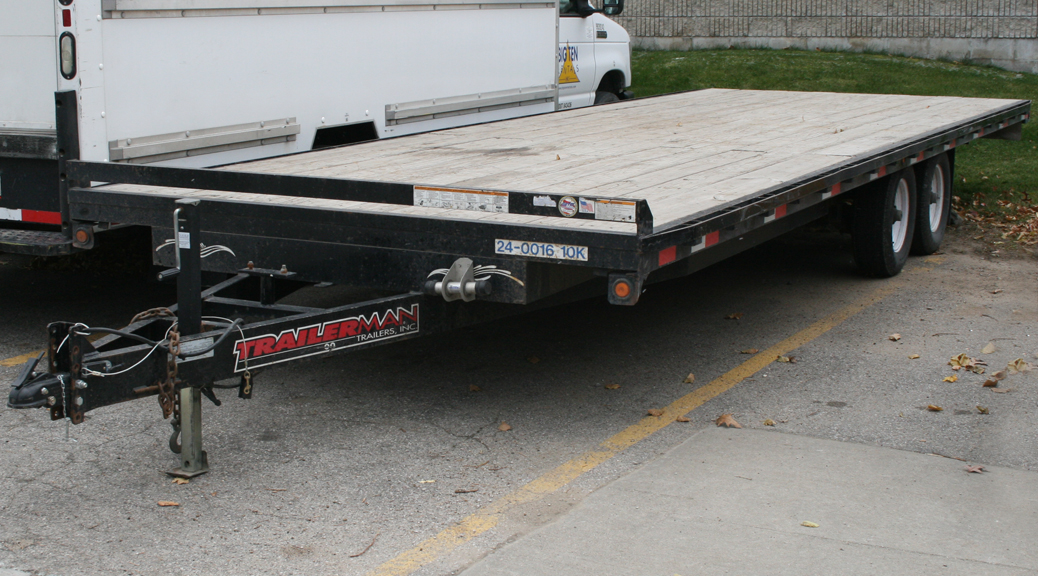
x,y
446,272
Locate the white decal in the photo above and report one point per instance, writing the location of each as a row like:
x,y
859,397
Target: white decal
x,y
460,199
615,210
184,240
541,250
587,206
543,201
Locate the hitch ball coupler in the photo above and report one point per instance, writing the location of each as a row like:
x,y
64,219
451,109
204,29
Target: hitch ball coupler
x,y
459,283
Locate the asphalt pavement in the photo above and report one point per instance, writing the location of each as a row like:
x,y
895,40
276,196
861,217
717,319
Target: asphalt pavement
x,y
388,461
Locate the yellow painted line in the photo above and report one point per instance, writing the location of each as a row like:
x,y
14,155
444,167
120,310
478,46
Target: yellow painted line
x,y
18,360
488,517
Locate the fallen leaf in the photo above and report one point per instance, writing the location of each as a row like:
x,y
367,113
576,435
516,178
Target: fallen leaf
x,y
975,469
727,420
964,361
787,359
733,316
988,349
913,356
557,157
474,388
504,427
690,378
933,408
1018,365
749,351
426,481
655,412
533,359
952,378
894,337
466,490
682,419
982,409
990,383
180,480
999,291
1000,375
165,503
612,386
769,422
1001,390
809,524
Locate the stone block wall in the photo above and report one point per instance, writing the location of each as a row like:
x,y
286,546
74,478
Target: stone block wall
x,y
999,32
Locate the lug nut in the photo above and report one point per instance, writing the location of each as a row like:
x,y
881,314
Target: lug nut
x,y
51,401
81,385
79,400
44,391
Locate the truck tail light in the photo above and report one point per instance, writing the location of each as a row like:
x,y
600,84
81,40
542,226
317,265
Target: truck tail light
x,y
66,18
67,44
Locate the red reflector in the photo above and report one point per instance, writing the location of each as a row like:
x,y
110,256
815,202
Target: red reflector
x,y
41,217
66,18
668,255
713,238
780,211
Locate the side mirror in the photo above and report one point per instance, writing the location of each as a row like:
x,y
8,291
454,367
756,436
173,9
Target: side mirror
x,y
612,7
583,8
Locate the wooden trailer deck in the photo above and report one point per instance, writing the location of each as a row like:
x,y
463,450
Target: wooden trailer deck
x,y
687,154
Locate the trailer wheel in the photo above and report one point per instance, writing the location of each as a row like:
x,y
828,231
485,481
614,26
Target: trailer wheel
x,y
934,205
603,97
884,220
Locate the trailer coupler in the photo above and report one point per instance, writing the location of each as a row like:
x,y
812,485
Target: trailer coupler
x,y
37,389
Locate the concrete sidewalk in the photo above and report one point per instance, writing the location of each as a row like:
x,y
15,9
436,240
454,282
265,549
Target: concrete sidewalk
x,y
732,502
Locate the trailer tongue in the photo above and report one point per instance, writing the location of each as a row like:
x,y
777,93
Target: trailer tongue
x,y
463,225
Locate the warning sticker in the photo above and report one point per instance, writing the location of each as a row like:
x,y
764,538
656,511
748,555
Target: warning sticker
x,y
615,210
568,75
459,199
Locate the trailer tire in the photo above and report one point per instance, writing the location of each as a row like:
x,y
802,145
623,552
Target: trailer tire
x,y
933,205
603,97
882,240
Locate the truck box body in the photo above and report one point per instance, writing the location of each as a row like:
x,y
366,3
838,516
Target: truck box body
x,y
209,82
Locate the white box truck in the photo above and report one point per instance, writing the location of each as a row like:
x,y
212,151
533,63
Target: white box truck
x,y
199,83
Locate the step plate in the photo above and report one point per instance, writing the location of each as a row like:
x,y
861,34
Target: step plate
x,y
34,242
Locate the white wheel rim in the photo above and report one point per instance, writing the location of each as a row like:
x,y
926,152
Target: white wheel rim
x,y
936,198
899,230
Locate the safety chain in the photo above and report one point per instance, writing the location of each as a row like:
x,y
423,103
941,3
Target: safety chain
x,y
153,313
167,388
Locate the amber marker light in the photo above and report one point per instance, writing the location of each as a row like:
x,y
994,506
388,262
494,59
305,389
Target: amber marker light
x,y
622,289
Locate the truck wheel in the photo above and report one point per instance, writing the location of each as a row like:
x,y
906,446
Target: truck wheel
x,y
884,220
934,205
603,97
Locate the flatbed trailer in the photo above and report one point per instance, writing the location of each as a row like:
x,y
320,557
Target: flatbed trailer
x,y
469,224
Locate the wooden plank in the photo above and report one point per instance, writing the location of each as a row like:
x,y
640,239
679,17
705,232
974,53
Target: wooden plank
x,y
684,153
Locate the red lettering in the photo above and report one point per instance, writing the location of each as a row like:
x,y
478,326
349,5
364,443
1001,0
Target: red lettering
x,y
348,328
264,346
409,315
287,341
243,350
312,337
367,324
331,332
